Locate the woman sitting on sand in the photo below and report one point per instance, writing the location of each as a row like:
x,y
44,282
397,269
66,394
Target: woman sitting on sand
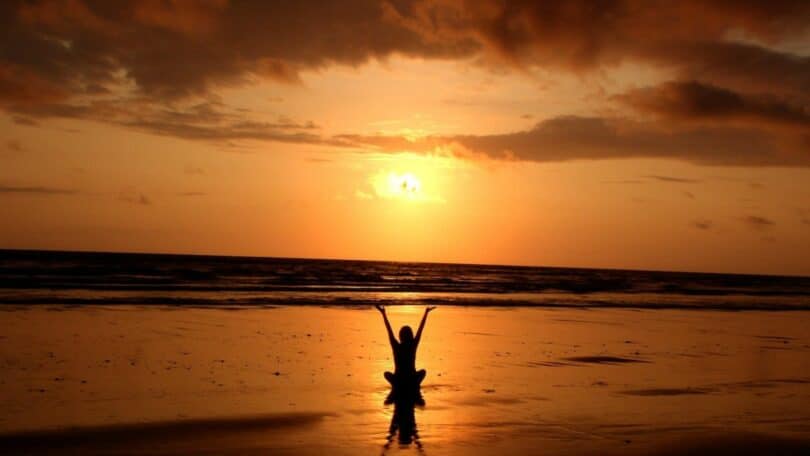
x,y
405,373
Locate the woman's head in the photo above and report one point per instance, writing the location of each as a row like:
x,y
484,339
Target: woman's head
x,y
405,334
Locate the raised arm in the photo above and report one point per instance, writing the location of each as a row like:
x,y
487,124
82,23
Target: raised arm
x,y
422,325
391,337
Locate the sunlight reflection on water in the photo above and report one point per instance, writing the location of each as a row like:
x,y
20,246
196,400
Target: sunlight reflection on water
x,y
495,376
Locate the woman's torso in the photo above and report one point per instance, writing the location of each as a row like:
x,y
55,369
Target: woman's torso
x,y
405,358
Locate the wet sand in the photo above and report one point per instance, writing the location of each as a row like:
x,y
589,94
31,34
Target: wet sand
x,y
308,380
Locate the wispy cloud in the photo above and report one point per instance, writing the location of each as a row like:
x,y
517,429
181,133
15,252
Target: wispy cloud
x,y
192,170
133,197
14,145
758,222
568,138
703,224
22,120
36,190
804,216
318,160
625,182
673,179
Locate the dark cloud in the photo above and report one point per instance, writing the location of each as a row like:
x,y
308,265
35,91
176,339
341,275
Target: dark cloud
x,y
741,67
696,101
261,131
205,121
758,222
68,58
35,190
56,48
556,139
589,138
689,36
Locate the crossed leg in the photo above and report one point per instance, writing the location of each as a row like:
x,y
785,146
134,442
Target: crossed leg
x,y
418,377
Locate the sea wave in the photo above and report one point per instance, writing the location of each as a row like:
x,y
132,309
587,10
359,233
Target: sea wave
x,y
71,278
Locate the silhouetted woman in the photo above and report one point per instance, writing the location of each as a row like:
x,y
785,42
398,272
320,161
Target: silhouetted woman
x,y
405,373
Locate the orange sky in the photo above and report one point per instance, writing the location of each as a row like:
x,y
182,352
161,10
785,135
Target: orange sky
x,y
627,134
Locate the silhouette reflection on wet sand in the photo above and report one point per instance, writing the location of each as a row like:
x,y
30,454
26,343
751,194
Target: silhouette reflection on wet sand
x,y
403,421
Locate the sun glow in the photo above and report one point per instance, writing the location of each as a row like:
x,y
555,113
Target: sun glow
x,y
409,178
404,185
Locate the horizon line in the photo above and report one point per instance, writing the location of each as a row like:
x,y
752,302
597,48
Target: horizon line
x,y
366,260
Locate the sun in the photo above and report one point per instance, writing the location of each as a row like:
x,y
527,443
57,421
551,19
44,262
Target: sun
x,y
393,185
408,179
404,185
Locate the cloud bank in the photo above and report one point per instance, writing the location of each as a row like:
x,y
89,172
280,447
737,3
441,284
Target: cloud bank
x,y
739,94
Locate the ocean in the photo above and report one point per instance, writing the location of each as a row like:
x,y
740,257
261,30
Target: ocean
x,y
105,353
76,278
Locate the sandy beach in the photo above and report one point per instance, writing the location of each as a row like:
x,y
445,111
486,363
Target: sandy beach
x,y
308,380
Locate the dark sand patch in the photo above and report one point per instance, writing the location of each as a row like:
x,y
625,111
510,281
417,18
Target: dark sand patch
x,y
595,322
604,359
736,444
116,438
784,339
775,347
766,383
472,333
488,398
668,391
548,364
716,388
